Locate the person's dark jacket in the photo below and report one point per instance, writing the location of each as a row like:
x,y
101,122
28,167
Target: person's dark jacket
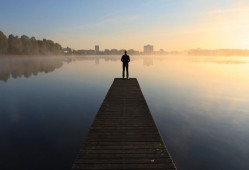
x,y
125,58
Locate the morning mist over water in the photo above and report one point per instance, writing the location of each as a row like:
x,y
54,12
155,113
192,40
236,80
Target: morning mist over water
x,y
200,105
58,60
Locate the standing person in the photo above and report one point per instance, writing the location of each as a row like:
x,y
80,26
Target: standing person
x,y
125,59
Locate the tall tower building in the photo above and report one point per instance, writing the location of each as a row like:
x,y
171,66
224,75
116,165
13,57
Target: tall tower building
x,y
148,49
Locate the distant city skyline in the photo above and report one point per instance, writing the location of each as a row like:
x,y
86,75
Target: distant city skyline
x,y
167,24
148,49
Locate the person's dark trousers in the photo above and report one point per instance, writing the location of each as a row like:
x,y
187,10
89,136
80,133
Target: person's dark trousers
x,y
125,66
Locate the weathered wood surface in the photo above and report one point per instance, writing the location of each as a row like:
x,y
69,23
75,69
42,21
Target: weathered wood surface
x,y
124,134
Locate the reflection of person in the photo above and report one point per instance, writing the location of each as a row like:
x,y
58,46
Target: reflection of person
x,y
125,59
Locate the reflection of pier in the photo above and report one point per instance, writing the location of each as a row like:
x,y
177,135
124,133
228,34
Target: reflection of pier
x,y
124,135
26,66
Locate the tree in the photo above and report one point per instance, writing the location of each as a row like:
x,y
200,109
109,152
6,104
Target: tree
x,y
41,47
26,45
49,46
3,43
14,45
58,49
35,49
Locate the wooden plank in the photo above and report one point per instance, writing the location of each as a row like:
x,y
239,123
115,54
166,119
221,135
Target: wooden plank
x,y
123,151
121,161
124,134
124,166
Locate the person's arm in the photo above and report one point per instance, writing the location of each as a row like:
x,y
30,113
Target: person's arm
x,y
122,58
129,59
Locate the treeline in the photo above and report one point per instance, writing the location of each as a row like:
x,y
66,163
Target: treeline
x,y
219,52
27,46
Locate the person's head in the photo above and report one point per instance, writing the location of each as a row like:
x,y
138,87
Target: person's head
x,y
125,51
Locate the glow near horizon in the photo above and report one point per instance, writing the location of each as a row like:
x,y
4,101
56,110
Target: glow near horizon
x,y
130,24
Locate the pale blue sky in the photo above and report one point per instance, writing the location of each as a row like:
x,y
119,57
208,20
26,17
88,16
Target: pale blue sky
x,y
167,24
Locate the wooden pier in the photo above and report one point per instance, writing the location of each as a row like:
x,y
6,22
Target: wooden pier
x,y
124,134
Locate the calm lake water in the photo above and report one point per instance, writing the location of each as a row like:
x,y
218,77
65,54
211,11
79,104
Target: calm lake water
x,y
200,105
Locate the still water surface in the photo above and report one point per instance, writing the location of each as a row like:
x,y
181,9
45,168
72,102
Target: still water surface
x,y
200,105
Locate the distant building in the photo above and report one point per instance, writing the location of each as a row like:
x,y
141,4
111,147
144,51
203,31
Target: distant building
x,y
96,49
86,52
67,50
148,49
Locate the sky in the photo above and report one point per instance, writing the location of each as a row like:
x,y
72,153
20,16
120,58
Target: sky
x,y
130,24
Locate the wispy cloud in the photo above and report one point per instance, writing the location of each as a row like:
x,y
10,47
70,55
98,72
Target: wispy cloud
x,y
211,28
231,10
108,22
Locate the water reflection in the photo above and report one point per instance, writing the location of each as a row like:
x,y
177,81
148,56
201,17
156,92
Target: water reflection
x,y
220,60
201,108
27,66
147,59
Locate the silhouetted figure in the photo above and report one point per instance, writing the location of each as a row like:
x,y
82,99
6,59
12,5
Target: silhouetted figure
x,y
125,59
